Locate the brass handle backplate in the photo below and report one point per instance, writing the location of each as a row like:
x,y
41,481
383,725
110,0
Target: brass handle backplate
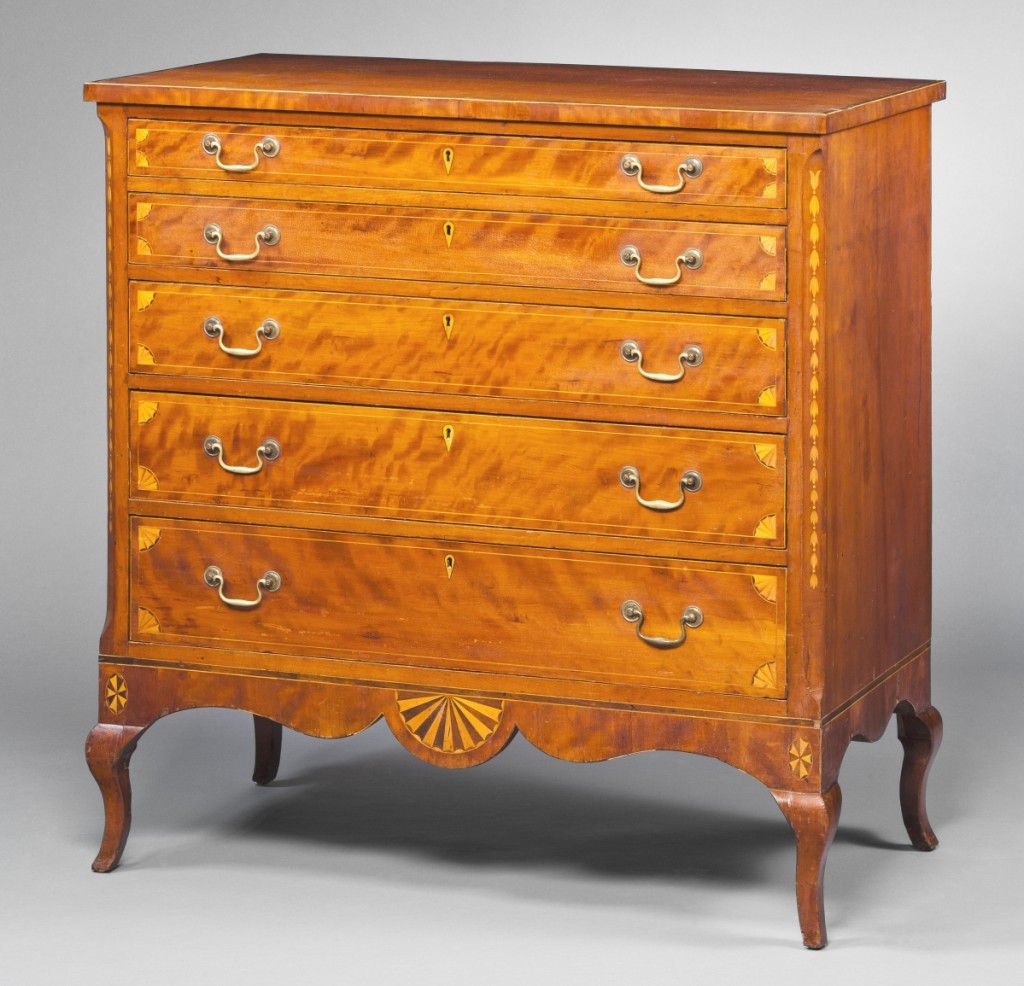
x,y
690,356
270,235
269,329
693,617
691,259
214,577
269,147
692,167
690,482
267,452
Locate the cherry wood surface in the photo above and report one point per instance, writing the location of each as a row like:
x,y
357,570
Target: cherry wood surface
x,y
920,735
884,422
814,817
566,94
268,749
448,388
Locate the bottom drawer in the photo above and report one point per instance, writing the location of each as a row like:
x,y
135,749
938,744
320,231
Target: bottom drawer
x,y
438,604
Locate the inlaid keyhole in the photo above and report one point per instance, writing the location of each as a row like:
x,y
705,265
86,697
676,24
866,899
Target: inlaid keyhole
x,y
448,156
448,433
449,564
449,232
448,321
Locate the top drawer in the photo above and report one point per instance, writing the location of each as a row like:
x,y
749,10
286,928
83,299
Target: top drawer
x,y
696,174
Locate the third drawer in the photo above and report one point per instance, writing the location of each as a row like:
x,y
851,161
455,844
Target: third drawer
x,y
525,353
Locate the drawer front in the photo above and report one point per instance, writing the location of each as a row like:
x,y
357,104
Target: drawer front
x,y
519,352
750,177
457,606
487,470
737,261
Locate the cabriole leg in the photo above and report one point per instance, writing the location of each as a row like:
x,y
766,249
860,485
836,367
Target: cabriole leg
x,y
814,818
268,749
920,735
107,751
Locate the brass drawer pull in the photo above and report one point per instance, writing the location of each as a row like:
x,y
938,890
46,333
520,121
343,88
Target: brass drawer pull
x,y
270,235
689,482
692,167
270,581
630,256
270,146
268,330
265,453
693,617
690,356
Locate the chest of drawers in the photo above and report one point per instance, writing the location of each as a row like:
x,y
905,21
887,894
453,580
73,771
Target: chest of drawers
x,y
591,404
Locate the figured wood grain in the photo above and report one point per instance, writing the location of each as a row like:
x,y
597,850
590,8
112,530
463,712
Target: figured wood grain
x,y
566,94
338,598
459,245
753,177
525,353
486,470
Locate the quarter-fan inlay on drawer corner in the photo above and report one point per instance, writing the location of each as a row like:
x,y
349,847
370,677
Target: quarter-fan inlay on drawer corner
x,y
484,399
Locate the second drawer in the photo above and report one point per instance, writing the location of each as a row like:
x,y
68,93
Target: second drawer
x,y
484,470
656,258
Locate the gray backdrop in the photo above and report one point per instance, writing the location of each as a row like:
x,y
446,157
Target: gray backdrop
x,y
362,861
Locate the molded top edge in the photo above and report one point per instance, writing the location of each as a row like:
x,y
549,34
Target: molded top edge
x,y
548,93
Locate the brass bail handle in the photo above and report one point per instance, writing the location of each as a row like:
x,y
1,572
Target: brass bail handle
x,y
268,147
269,581
692,167
690,482
268,451
693,617
270,235
691,259
691,356
268,329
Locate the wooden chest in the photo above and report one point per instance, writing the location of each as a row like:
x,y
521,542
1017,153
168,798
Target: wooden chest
x,y
591,404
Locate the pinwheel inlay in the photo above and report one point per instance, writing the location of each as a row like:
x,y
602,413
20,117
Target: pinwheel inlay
x,y
116,694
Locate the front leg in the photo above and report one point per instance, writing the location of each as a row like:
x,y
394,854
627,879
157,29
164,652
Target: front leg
x,y
920,735
814,818
107,751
